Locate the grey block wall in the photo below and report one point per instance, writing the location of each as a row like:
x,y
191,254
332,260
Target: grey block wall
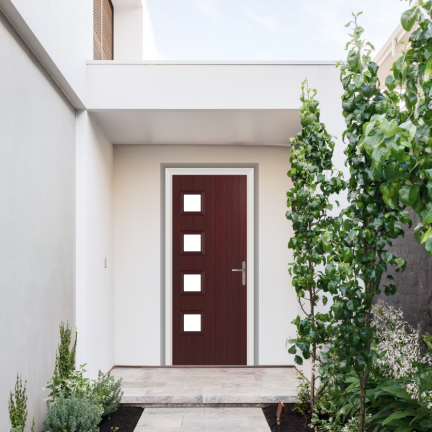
x,y
37,223
414,292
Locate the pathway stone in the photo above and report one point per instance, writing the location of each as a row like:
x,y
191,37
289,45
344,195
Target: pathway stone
x,y
202,420
154,386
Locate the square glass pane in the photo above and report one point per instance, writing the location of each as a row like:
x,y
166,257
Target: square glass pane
x,y
192,203
192,242
192,322
192,282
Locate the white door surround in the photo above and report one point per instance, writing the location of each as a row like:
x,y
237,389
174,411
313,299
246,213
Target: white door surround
x,y
169,172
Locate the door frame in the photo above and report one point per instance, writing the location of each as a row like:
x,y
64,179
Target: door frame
x,y
250,266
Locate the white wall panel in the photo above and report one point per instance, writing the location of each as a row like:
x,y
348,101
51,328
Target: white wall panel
x,y
95,288
37,223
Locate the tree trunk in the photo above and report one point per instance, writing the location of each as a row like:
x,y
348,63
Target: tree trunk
x,y
362,413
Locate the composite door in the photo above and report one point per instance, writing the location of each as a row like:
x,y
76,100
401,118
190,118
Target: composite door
x,y
209,242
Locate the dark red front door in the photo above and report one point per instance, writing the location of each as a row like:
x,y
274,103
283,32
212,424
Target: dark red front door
x,y
209,241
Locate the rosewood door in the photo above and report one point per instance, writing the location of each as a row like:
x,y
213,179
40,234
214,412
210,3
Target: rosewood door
x,y
209,241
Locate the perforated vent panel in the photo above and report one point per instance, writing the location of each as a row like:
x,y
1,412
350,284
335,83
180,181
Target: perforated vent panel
x,y
103,30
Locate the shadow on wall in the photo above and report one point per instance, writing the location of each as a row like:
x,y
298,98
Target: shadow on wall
x,y
414,286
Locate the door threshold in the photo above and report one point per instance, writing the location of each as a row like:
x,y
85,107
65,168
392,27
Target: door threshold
x,y
206,366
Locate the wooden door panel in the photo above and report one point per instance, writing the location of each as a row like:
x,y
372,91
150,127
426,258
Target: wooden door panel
x,y
222,299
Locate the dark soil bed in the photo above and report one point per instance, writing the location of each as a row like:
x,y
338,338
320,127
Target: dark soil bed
x,y
125,418
291,420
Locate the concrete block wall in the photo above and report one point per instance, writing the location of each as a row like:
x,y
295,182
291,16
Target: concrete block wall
x,y
414,294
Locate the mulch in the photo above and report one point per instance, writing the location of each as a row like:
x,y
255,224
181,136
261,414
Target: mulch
x,y
125,418
291,420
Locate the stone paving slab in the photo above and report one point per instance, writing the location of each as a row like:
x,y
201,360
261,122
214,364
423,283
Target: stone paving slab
x,y
146,385
202,420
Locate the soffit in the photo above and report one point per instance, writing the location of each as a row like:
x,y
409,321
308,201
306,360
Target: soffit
x,y
219,127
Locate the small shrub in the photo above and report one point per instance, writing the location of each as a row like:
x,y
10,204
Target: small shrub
x,y
65,361
326,417
18,407
72,414
303,391
108,392
402,354
76,384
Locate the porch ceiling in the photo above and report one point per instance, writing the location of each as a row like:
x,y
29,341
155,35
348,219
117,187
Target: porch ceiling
x,y
200,126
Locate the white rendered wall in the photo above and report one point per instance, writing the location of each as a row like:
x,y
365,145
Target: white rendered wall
x,y
95,289
133,32
64,29
211,85
37,223
137,245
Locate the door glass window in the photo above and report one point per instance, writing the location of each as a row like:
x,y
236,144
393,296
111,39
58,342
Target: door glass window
x,y
192,283
192,242
192,203
192,322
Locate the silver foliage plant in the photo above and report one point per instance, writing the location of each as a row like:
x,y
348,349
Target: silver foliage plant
x,y
72,414
77,404
107,391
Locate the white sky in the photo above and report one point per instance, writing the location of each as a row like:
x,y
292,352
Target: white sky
x,y
266,29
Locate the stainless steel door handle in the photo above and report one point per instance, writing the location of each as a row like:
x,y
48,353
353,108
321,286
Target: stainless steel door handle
x,y
243,270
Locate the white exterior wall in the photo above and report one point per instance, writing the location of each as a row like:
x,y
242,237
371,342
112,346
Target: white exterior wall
x,y
37,223
133,32
95,288
64,31
138,242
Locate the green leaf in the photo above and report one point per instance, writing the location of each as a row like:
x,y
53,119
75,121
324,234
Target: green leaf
x,y
426,235
404,217
428,72
354,339
324,300
398,415
392,171
373,141
389,128
347,255
404,428
304,328
428,245
330,271
298,360
354,60
387,256
292,350
408,18
389,82
352,305
379,156
408,194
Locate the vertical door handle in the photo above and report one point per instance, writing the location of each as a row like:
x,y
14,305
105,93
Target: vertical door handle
x,y
243,270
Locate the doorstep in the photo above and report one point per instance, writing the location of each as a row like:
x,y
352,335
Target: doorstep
x,y
207,386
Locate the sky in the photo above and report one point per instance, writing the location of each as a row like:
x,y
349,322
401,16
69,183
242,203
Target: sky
x,y
266,29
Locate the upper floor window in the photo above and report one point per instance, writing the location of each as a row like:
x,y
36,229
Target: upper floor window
x,y
103,30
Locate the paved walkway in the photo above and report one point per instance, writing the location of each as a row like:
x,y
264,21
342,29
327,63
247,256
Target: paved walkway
x,y
202,420
207,386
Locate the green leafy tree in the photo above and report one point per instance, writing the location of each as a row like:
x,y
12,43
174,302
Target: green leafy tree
x,y
409,165
359,259
309,199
